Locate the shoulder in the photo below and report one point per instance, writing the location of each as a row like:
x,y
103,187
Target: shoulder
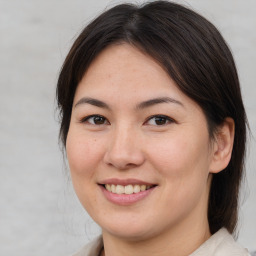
x,y
221,244
91,249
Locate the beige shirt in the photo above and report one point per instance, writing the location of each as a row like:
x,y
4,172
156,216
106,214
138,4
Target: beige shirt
x,y
219,244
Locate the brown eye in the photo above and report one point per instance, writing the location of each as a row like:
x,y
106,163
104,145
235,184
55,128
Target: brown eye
x,y
99,120
159,120
95,120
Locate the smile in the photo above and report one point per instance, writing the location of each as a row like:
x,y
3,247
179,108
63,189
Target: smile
x,y
128,189
126,192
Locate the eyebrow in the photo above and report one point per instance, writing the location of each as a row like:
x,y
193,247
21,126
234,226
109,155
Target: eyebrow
x,y
91,101
142,105
151,102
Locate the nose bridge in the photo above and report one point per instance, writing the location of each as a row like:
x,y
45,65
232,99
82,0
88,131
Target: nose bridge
x,y
124,150
121,136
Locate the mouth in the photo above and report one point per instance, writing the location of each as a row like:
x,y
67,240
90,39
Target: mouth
x,y
127,189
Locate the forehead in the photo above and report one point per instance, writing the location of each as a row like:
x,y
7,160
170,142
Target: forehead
x,y
122,78
116,60
124,69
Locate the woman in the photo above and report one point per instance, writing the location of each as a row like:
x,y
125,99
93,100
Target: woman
x,y
154,128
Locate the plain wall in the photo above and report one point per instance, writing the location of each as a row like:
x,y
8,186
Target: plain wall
x,y
39,213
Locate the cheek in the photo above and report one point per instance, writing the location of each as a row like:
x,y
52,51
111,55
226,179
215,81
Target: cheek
x,y
183,154
83,154
183,163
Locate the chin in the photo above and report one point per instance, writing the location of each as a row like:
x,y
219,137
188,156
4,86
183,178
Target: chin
x,y
129,234
129,229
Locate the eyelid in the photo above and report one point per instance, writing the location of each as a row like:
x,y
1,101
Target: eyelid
x,y
169,119
86,118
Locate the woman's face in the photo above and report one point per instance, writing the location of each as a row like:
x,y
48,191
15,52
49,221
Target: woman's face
x,y
132,129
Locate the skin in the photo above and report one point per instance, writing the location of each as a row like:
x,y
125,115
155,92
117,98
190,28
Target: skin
x,y
178,156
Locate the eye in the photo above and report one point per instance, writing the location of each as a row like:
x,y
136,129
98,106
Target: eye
x,y
159,120
95,120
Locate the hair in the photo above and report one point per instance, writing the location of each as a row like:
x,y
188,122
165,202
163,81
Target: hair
x,y
195,56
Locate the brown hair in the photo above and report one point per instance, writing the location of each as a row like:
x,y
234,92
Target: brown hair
x,y
196,57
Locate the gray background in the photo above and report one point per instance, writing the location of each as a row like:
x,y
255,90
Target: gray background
x,y
39,213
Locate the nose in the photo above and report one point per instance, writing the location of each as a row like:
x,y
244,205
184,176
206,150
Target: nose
x,y
124,150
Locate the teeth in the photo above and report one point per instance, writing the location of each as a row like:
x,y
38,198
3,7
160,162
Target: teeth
x,y
128,189
108,187
113,188
136,189
119,189
143,187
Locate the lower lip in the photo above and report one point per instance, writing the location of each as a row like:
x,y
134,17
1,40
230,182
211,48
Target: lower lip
x,y
124,199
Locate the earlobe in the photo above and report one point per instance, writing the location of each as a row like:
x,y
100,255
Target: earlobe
x,y
223,145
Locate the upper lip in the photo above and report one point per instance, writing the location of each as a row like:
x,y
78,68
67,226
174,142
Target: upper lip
x,y
125,182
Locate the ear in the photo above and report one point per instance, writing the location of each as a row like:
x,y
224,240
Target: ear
x,y
223,145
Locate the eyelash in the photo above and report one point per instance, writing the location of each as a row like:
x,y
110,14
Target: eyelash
x,y
165,118
85,119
